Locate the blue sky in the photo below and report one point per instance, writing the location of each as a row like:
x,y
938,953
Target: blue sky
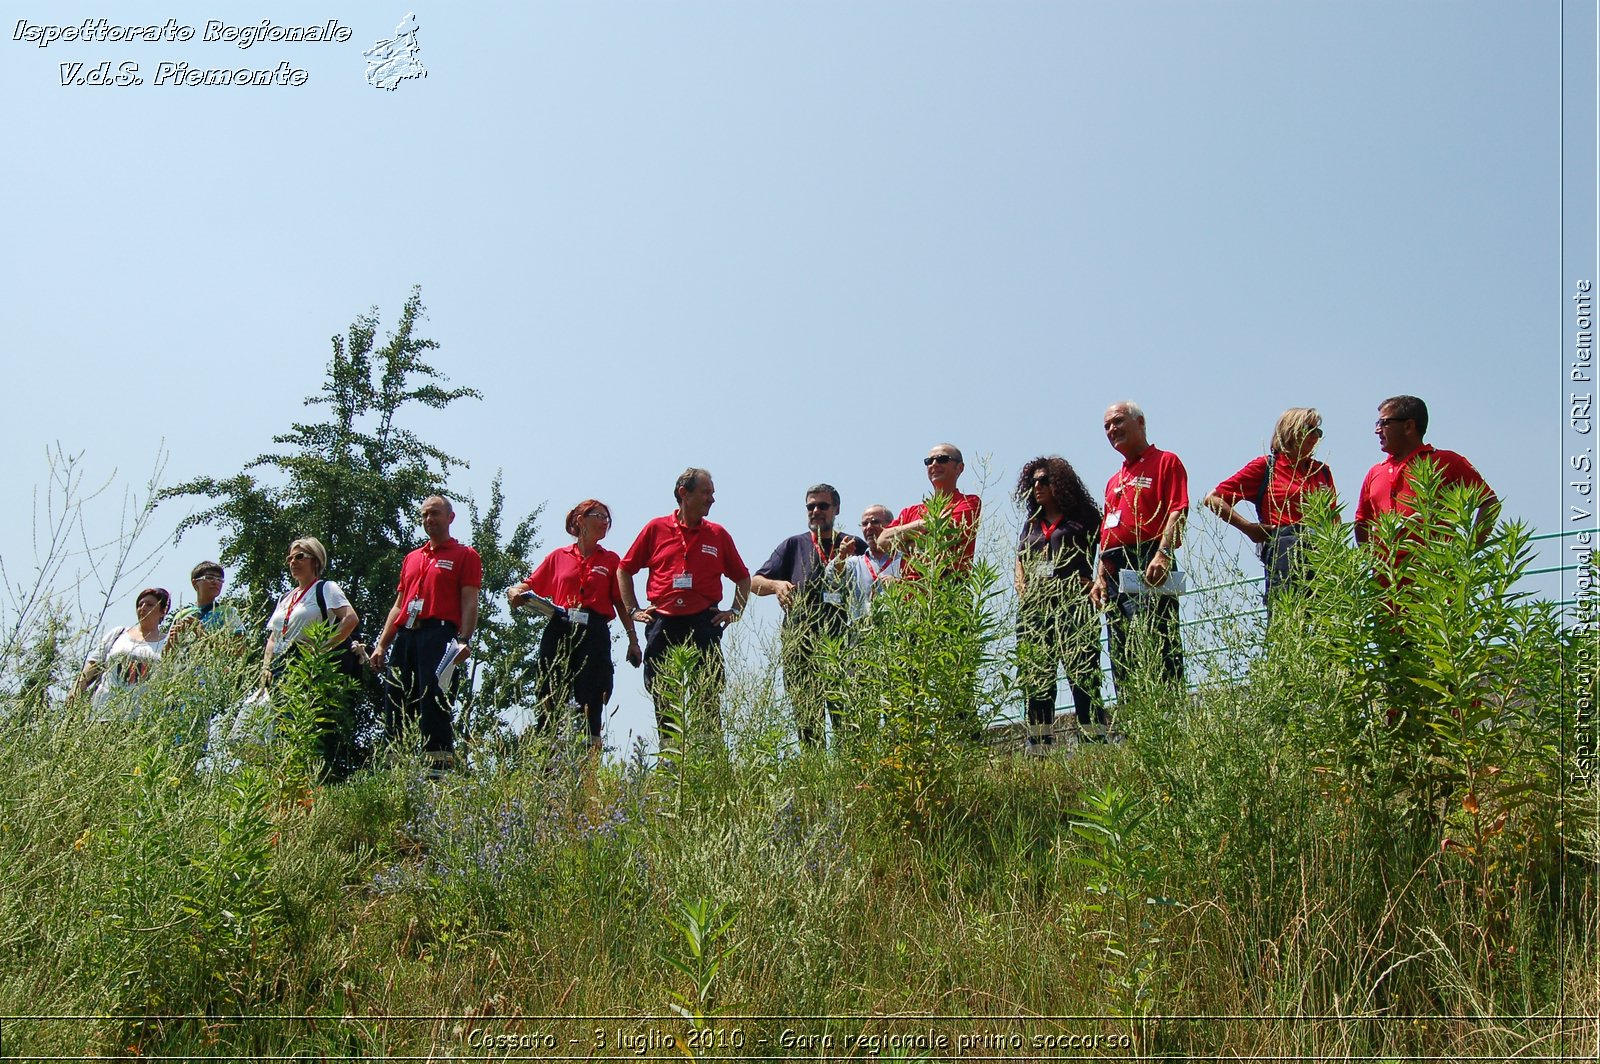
x,y
795,242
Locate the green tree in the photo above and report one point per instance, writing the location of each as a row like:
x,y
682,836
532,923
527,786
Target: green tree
x,y
355,481
503,666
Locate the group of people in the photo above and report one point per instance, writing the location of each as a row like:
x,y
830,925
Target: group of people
x,y
1076,559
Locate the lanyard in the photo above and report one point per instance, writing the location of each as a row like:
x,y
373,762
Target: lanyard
x,y
585,571
683,537
820,552
873,570
294,601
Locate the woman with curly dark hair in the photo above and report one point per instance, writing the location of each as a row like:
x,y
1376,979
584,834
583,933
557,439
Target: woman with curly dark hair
x,y
1056,623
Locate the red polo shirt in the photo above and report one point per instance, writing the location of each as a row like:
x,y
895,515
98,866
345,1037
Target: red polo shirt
x,y
1286,496
1140,497
667,548
437,577
964,511
1387,488
569,579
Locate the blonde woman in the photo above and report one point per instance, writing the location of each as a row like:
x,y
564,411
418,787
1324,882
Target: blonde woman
x,y
1279,484
311,601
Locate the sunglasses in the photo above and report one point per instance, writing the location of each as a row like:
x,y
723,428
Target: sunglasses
x,y
597,513
812,507
1041,481
938,459
297,556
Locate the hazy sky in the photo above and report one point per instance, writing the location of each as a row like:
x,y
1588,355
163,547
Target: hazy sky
x,y
796,241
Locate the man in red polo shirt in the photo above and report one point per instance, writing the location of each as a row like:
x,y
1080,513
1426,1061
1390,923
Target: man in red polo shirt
x,y
906,535
687,557
1402,422
1147,501
434,614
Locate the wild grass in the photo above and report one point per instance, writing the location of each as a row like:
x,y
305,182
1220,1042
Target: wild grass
x,y
1265,867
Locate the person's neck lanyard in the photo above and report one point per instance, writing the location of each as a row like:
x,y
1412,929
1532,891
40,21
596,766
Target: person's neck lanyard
x,y
683,536
822,554
585,570
294,602
873,570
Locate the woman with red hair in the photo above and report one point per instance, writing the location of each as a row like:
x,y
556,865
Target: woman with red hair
x,y
580,582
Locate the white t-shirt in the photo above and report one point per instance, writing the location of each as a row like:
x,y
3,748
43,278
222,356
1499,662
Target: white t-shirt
x,y
298,611
126,662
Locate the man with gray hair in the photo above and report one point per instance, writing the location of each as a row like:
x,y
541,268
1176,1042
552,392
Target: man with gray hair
x,y
1147,501
807,574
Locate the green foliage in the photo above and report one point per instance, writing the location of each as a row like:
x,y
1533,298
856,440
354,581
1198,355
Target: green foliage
x,y
1123,870
312,701
1317,916
503,667
1443,690
355,481
702,925
923,678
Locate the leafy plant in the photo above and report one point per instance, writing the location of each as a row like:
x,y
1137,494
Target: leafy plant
x,y
702,926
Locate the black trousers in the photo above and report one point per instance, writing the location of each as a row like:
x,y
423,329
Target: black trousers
x,y
574,666
696,630
1056,625
1141,629
414,659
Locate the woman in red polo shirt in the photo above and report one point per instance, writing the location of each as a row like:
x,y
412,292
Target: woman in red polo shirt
x,y
575,652
1279,484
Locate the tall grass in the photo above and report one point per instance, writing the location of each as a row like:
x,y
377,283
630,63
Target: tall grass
x,y
1308,859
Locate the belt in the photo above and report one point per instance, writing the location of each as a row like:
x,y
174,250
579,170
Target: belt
x,y
430,622
578,615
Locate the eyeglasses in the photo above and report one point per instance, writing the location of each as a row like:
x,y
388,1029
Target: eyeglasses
x,y
865,521
938,459
210,576
1382,421
811,507
298,555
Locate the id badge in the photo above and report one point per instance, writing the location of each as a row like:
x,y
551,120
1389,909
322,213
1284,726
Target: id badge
x,y
1114,518
682,582
577,616
413,611
833,598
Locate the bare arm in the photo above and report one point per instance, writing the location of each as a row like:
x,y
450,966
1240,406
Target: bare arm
x,y
1253,530
347,622
762,585
741,595
385,637
1155,574
890,539
630,597
469,613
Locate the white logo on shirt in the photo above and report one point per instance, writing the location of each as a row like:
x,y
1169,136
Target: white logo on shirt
x,y
706,548
602,570
445,563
